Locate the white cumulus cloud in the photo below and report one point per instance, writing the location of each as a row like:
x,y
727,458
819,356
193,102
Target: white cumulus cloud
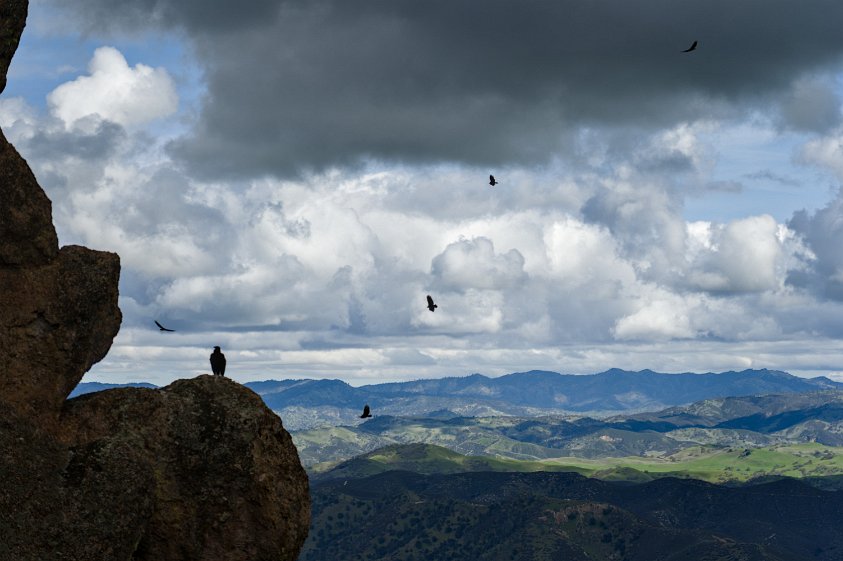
x,y
115,91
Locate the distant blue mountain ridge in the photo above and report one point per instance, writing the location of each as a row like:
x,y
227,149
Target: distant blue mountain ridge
x,y
521,393
91,387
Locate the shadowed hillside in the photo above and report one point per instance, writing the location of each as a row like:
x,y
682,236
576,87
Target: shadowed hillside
x,y
522,516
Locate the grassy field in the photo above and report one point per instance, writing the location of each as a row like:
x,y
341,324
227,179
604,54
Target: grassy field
x,y
717,465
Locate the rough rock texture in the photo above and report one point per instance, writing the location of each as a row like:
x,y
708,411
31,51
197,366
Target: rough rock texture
x,y
27,236
228,473
56,321
63,503
199,470
13,18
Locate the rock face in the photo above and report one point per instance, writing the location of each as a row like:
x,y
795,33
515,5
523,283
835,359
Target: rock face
x,y
201,469
58,309
56,321
13,18
229,482
27,236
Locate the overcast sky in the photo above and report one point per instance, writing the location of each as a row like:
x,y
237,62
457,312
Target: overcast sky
x,y
290,180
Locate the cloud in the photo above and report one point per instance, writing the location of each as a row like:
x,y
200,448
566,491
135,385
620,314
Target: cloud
x,y
744,255
474,264
812,105
336,173
769,176
296,86
116,92
659,320
727,186
823,235
826,152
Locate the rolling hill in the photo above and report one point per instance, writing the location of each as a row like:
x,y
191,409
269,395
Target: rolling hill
x,y
734,422
817,464
524,516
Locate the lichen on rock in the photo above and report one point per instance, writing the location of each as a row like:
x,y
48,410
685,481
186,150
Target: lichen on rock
x,y
198,470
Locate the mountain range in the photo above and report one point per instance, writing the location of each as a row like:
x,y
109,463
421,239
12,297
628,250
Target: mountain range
x,y
524,393
304,404
732,422
481,468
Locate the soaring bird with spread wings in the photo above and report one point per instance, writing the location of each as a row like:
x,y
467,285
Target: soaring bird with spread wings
x,y
493,181
366,414
430,305
161,327
691,48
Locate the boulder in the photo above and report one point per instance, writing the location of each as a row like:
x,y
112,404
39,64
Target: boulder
x,y
228,481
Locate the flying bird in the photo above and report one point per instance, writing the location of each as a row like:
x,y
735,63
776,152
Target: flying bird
x,y
691,48
218,362
430,305
161,327
366,414
493,181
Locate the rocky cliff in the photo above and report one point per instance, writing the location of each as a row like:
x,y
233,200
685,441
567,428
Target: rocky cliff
x,y
199,470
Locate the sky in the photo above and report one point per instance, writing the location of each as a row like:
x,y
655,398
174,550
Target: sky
x,y
289,181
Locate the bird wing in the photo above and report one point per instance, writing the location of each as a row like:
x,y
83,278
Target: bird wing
x,y
429,300
492,178
365,410
158,324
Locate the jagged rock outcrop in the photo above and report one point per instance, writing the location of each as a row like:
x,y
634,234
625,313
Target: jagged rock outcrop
x,y
27,236
198,470
58,309
228,473
13,18
56,321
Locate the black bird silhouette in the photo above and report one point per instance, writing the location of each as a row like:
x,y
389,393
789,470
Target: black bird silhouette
x,y
218,362
161,327
691,48
430,305
493,181
366,413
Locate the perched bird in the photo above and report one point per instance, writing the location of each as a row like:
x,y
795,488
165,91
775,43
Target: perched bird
x,y
493,181
430,305
691,48
366,413
218,362
161,327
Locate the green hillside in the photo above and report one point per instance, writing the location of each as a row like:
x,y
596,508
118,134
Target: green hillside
x,y
426,459
716,465
767,422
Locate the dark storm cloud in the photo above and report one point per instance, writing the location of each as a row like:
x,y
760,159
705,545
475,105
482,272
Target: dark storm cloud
x,y
296,85
812,106
194,15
